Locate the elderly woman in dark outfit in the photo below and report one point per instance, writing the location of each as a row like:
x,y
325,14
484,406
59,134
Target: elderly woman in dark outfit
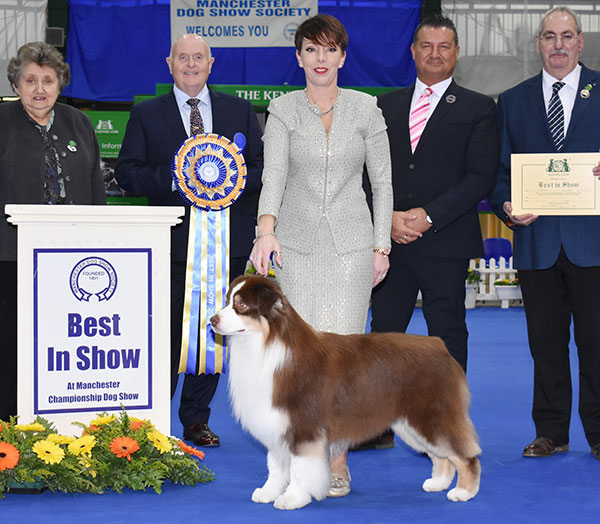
x,y
48,155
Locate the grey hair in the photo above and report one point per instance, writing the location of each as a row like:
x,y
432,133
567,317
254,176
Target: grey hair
x,y
41,54
560,9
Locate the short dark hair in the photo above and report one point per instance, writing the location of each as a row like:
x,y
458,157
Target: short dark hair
x,y
437,20
41,54
323,30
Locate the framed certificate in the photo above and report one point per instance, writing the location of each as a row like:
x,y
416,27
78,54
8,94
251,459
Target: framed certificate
x,y
555,184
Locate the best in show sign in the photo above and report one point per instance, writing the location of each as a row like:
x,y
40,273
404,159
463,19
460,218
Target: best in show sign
x,y
92,330
241,23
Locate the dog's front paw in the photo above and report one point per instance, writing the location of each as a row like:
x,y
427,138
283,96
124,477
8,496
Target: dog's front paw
x,y
437,484
264,495
292,500
460,495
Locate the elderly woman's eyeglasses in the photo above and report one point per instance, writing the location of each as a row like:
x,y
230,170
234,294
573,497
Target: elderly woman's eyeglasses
x,y
552,38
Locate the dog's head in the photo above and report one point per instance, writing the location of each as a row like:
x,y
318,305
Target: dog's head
x,y
253,303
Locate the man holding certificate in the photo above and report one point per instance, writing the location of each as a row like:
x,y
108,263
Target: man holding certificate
x,y
557,254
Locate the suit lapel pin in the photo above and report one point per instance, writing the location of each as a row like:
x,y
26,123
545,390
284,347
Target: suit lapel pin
x,y
451,99
72,146
586,91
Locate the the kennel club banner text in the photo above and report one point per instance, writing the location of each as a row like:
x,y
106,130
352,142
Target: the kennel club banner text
x,y
92,329
241,23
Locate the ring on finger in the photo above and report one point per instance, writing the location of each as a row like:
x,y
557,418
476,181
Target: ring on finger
x,y
405,238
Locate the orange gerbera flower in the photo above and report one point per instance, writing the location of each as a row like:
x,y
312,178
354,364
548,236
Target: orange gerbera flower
x,y
9,456
124,447
91,428
190,449
136,424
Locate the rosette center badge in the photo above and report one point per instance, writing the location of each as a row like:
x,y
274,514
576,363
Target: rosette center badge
x,y
209,171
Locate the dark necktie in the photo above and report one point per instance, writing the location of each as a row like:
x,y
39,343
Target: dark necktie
x,y
556,117
196,124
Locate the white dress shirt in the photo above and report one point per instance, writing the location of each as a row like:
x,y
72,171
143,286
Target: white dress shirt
x,y
567,94
438,91
185,109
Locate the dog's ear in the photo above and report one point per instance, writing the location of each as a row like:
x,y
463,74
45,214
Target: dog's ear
x,y
269,298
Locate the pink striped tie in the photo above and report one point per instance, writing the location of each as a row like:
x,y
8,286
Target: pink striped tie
x,y
418,118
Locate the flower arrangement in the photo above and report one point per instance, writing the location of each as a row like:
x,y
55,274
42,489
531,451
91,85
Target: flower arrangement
x,y
114,452
507,282
473,276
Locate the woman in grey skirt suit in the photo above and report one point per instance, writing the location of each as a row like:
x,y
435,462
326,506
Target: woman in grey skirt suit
x,y
313,213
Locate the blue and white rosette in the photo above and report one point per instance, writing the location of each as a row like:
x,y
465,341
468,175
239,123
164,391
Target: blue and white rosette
x,y
210,174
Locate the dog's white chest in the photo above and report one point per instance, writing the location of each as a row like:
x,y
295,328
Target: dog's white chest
x,y
251,370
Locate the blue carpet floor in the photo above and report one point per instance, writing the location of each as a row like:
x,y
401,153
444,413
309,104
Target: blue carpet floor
x,y
386,485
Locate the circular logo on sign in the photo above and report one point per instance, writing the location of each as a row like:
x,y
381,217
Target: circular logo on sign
x,y
209,171
93,276
289,31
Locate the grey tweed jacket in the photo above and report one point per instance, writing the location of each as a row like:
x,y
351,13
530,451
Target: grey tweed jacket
x,y
310,175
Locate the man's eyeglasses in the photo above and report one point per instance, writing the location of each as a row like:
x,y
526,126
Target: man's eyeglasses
x,y
552,38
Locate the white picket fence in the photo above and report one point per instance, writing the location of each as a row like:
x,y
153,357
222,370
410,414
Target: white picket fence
x,y
495,270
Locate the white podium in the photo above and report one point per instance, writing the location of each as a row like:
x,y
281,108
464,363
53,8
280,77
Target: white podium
x,y
93,312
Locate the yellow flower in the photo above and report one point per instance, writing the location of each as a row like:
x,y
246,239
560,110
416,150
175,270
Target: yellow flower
x,y
161,443
85,462
82,445
48,451
60,439
103,420
35,426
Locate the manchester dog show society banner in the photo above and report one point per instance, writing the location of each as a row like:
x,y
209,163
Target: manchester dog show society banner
x,y
241,23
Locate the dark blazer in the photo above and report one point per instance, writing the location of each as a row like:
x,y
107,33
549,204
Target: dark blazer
x,y
524,129
452,169
154,134
23,166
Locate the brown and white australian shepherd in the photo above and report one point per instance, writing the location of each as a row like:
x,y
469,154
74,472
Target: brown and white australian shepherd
x,y
308,395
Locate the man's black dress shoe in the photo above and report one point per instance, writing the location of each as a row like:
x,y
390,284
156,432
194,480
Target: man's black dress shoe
x,y
383,441
201,435
595,449
544,447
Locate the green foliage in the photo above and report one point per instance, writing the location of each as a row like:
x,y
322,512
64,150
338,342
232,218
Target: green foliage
x,y
473,276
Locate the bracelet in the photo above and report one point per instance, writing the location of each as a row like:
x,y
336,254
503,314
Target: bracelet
x,y
381,251
263,235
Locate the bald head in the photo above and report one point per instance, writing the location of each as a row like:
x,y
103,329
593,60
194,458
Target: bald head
x,y
189,37
190,63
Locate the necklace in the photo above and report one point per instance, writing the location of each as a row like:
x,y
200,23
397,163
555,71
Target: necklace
x,y
316,109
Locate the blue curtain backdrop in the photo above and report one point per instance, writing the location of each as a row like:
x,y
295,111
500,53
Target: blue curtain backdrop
x,y
117,49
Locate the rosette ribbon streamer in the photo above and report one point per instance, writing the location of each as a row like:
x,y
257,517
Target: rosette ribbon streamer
x,y
210,174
